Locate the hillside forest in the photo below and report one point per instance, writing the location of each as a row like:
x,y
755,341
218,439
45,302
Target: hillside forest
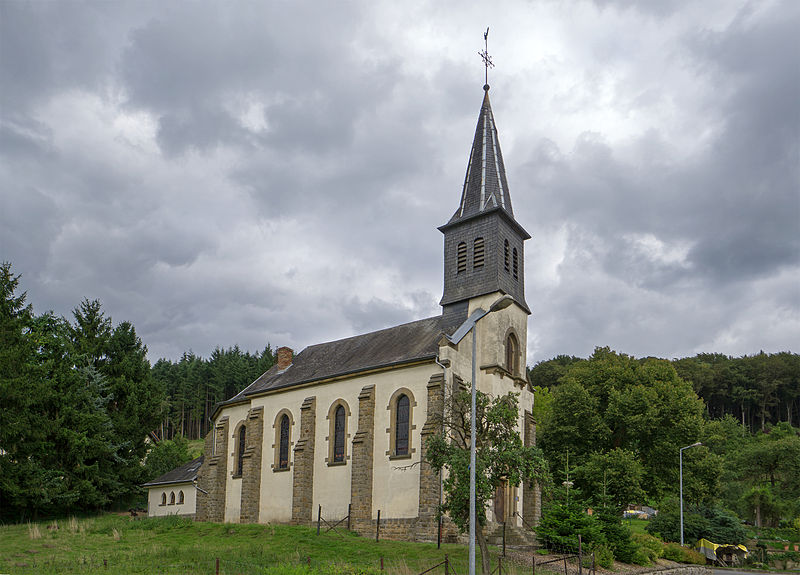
x,y
87,419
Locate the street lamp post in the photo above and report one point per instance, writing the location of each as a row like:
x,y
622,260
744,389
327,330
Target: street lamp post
x,y
469,324
680,467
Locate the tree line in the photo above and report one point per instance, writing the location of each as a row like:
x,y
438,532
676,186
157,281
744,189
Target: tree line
x,y
612,426
82,408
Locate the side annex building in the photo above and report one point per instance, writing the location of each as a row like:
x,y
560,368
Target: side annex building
x,y
344,425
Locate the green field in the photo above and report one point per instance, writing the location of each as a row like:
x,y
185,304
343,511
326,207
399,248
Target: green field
x,y
173,545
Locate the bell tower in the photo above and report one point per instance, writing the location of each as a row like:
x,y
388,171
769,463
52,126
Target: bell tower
x,y
483,243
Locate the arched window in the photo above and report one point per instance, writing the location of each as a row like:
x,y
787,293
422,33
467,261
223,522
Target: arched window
x,y
401,425
240,450
506,256
283,448
478,253
338,434
164,498
172,498
180,497
462,257
512,354
515,264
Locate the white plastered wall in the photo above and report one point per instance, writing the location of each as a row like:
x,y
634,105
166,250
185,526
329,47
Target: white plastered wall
x,y
189,506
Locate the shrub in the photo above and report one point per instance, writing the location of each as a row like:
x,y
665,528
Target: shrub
x,y
650,546
674,552
604,556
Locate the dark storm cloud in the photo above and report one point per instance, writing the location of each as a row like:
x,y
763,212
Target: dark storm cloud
x,y
275,172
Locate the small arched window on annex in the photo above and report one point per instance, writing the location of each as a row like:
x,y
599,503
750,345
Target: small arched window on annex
x,y
338,416
180,497
172,498
512,353
515,264
240,436
506,256
401,424
164,498
478,253
283,440
461,257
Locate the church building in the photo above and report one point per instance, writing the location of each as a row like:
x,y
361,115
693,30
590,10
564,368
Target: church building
x,y
343,427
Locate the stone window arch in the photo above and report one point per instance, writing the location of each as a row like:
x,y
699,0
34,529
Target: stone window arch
x,y
478,253
401,424
338,418
164,498
240,437
172,498
461,257
180,497
512,353
283,440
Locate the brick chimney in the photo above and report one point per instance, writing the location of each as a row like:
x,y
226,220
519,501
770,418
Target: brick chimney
x,y
285,355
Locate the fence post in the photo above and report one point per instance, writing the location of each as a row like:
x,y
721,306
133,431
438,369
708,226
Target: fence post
x,y
594,565
308,560
439,534
446,564
105,563
533,564
580,555
217,571
565,565
381,562
319,517
378,527
500,565
349,514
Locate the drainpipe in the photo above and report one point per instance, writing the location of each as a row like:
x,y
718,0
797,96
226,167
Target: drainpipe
x,y
441,482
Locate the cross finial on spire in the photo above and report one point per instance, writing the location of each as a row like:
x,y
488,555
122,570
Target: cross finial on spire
x,y
487,60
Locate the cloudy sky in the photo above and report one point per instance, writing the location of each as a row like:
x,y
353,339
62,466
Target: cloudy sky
x,y
224,173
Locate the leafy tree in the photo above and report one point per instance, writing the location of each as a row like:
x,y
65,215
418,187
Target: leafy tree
x,y
712,523
165,456
501,457
617,474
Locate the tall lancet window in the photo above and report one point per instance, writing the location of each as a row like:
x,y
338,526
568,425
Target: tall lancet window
x,y
478,253
462,257
283,451
515,264
240,450
506,257
401,426
338,434
512,354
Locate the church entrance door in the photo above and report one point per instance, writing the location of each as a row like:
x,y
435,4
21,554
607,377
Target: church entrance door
x,y
500,503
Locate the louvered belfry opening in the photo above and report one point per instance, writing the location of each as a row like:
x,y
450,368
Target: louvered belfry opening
x,y
478,253
462,257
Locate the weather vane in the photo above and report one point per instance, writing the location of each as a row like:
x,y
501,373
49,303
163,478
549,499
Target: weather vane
x,y
487,60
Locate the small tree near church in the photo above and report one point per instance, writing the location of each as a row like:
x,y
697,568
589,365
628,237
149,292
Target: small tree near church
x,y
500,458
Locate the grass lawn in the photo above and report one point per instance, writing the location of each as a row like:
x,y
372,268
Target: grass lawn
x,y
636,525
172,545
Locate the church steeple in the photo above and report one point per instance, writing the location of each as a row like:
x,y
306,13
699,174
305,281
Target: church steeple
x,y
485,185
483,242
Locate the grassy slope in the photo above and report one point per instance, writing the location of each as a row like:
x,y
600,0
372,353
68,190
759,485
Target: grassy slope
x,y
173,545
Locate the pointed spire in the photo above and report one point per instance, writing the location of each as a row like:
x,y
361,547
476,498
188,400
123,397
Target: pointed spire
x,y
485,185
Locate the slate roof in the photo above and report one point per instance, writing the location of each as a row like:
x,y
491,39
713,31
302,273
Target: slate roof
x,y
418,340
183,474
485,186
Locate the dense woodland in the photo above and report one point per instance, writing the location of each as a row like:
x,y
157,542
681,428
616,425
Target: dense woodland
x,y
86,419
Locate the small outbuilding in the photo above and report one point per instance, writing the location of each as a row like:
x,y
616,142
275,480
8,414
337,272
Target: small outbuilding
x,y
175,492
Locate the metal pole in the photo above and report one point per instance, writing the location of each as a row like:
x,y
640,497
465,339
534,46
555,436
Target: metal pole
x,y
580,555
319,517
680,472
349,514
504,538
472,434
378,527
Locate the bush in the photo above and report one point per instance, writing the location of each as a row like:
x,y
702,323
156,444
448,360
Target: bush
x,y
650,546
674,552
604,556
641,558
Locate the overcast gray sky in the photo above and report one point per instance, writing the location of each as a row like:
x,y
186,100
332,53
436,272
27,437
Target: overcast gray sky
x,y
224,173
